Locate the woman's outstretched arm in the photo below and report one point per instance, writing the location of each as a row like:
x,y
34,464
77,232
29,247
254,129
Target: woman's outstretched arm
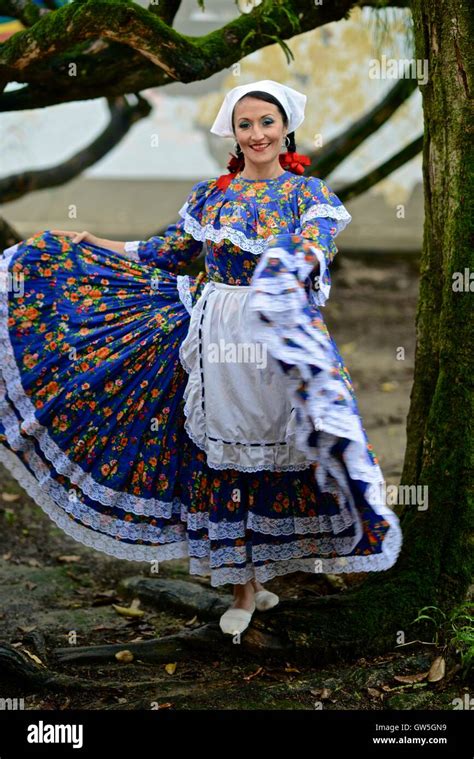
x,y
115,245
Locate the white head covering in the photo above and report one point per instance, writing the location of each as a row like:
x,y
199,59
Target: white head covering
x,y
292,101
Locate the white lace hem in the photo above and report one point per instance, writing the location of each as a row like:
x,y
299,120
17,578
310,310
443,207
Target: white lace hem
x,y
198,565
72,506
208,232
257,246
184,291
86,535
118,528
265,572
131,249
326,405
30,425
324,210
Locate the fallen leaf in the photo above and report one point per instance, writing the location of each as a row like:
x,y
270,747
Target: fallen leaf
x,y
374,693
388,387
336,581
437,670
105,594
7,556
171,668
254,674
10,497
411,678
34,563
124,656
68,559
191,621
27,628
33,657
127,611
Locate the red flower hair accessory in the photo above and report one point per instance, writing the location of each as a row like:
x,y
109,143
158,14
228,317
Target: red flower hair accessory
x,y
294,162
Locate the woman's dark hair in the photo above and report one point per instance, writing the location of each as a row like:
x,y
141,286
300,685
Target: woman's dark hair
x,y
268,99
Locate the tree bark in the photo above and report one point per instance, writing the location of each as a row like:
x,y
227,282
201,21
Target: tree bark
x,y
144,50
439,427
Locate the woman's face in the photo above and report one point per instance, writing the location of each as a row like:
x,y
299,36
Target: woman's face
x,y
259,123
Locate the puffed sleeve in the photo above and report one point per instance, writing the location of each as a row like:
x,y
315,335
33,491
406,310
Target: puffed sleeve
x,y
300,261
322,217
177,246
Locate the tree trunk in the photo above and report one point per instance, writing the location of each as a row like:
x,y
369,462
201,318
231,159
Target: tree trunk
x,y
8,235
439,448
435,566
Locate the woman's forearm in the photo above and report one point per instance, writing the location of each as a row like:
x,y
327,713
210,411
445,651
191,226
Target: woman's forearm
x,y
116,245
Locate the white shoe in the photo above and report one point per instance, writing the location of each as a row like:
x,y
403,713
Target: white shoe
x,y
235,620
265,599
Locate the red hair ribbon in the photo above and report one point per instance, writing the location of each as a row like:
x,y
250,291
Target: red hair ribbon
x,y
294,162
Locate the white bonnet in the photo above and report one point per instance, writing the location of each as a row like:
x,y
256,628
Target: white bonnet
x,y
292,101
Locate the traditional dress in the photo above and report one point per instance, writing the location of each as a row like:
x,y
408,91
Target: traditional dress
x,y
156,415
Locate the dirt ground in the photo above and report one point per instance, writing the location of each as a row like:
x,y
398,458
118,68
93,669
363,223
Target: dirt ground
x,y
48,600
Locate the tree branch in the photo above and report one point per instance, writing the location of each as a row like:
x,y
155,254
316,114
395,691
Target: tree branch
x,y
123,116
337,150
164,54
8,234
384,170
25,11
128,24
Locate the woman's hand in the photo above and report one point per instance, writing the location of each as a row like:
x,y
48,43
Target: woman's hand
x,y
77,236
115,245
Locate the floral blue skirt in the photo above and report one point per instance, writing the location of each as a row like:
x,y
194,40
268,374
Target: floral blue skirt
x,y
92,424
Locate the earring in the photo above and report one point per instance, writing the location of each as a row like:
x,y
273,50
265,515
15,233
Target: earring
x,y
237,148
286,144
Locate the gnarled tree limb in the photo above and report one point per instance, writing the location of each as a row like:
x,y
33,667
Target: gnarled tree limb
x,y
122,117
160,54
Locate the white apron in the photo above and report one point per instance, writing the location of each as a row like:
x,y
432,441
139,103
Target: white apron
x,y
236,403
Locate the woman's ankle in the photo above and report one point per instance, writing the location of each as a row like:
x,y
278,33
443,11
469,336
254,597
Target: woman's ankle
x,y
241,590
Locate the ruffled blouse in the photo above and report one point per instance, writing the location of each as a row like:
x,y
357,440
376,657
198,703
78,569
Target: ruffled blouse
x,y
234,226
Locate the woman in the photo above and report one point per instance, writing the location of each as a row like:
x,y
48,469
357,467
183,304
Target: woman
x,y
156,415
